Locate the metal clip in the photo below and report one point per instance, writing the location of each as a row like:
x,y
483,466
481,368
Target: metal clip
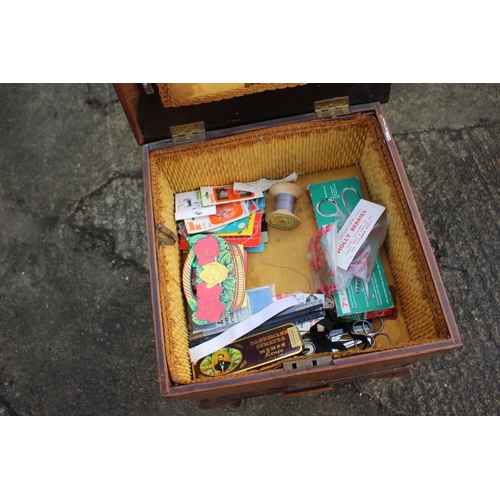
x,y
307,364
148,88
172,238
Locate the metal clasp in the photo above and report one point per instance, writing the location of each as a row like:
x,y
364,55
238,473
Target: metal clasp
x,y
171,236
148,88
307,364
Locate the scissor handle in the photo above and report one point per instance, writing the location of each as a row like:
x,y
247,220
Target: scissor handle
x,y
337,213
369,332
344,198
384,334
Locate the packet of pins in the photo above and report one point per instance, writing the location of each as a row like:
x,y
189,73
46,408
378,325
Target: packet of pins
x,y
229,212
214,195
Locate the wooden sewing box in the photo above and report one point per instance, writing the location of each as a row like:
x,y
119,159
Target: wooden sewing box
x,y
196,135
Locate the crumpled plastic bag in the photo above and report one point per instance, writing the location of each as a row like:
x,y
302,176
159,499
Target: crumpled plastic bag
x,y
321,253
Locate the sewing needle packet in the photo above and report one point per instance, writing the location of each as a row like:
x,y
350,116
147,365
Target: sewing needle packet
x,y
214,195
355,230
229,212
188,205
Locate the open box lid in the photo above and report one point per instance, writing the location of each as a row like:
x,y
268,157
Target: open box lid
x,y
155,110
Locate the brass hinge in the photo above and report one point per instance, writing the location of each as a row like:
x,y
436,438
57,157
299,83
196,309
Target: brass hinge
x,y
330,108
191,132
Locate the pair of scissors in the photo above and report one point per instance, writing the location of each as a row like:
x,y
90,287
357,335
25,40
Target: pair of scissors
x,y
330,335
365,328
337,210
362,333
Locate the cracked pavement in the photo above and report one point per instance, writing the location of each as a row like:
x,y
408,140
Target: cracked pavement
x,y
76,329
109,217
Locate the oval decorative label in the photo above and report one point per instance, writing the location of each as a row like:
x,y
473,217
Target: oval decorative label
x,y
221,362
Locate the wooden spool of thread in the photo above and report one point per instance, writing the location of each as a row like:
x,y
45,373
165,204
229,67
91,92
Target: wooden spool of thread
x,y
285,194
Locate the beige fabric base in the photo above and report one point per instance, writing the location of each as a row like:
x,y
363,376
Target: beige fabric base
x,y
317,151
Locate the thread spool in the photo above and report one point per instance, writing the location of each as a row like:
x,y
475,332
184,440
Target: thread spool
x,y
285,194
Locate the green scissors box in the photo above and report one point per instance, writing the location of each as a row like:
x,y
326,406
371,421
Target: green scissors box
x,y
196,135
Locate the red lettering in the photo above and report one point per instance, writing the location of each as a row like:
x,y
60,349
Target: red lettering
x,y
358,220
343,244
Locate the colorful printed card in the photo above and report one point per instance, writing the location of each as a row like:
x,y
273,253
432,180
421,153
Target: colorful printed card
x,y
225,214
257,299
188,205
214,278
247,230
247,241
214,195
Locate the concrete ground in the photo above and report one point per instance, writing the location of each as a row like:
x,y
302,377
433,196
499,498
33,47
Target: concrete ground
x,y
76,330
